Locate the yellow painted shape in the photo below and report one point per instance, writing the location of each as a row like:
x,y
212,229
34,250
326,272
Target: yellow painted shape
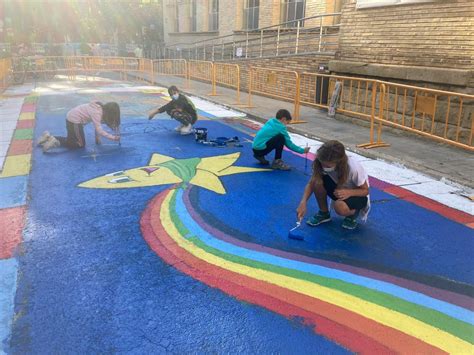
x,y
218,163
137,176
153,91
231,170
208,180
382,315
159,158
27,116
16,165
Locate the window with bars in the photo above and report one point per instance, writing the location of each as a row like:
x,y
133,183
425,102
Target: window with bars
x,y
292,10
193,16
364,4
251,12
213,15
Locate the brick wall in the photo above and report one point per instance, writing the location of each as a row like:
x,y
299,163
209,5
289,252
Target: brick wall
x,y
438,34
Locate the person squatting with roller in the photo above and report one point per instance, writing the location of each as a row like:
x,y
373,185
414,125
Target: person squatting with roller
x,y
77,118
274,136
180,108
344,180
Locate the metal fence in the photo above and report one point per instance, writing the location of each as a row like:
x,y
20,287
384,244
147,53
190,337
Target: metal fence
x,y
315,34
439,115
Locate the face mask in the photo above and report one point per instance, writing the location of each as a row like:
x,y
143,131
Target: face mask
x,y
329,170
175,96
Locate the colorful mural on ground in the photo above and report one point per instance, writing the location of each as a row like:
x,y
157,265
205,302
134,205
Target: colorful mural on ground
x,y
163,244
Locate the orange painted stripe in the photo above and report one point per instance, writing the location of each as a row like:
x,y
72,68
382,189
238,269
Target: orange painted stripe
x,y
12,221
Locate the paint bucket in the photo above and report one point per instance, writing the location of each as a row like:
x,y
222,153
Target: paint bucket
x,y
200,134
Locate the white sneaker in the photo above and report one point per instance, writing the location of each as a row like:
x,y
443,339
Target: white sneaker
x,y
187,130
51,143
44,138
179,128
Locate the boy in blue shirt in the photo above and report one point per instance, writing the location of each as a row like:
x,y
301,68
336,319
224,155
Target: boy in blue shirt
x,y
274,135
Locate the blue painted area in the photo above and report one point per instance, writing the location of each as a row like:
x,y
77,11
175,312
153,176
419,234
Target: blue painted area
x,y
90,282
13,191
8,280
402,293
398,235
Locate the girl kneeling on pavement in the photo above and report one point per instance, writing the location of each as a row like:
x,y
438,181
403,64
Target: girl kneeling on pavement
x,y
344,180
77,118
274,136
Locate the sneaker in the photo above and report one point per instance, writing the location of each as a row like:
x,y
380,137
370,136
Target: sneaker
x,y
44,138
179,128
186,130
51,143
278,164
349,222
262,160
319,218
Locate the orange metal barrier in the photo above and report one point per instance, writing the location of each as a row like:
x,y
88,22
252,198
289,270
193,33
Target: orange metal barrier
x,y
354,98
200,70
440,115
227,75
5,68
174,67
278,83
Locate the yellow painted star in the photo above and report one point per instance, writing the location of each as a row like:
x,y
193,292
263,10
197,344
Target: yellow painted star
x,y
163,170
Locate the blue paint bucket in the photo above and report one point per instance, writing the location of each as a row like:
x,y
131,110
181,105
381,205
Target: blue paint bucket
x,y
200,134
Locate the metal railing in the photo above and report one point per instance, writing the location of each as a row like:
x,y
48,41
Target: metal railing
x,y
314,34
443,116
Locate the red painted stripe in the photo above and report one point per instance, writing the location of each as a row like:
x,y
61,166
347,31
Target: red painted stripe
x,y
24,124
429,204
28,107
327,317
20,146
12,221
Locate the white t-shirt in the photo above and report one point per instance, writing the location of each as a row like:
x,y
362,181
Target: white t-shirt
x,y
356,177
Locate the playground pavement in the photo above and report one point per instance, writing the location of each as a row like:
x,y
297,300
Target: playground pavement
x,y
164,245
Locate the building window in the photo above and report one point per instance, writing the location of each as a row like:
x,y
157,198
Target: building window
x,y
292,10
193,11
365,4
213,15
251,14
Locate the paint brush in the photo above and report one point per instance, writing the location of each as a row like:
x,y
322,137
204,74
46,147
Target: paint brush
x,y
294,235
306,162
117,132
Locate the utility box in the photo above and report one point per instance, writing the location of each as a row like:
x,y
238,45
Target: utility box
x,y
322,85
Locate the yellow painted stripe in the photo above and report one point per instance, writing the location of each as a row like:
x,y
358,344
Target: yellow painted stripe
x,y
385,316
27,116
16,165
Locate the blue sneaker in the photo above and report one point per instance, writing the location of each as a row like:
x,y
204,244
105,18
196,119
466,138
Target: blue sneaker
x,y
350,222
318,218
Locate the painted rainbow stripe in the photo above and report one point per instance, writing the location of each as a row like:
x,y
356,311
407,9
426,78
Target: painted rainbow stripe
x,y
360,309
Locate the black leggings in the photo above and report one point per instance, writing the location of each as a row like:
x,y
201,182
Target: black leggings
x,y
353,202
181,116
75,136
276,142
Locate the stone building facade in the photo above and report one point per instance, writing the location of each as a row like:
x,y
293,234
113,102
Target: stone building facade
x,y
189,21
420,41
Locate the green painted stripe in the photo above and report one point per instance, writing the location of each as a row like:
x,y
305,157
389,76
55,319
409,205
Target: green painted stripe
x,y
429,316
24,133
185,169
30,99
